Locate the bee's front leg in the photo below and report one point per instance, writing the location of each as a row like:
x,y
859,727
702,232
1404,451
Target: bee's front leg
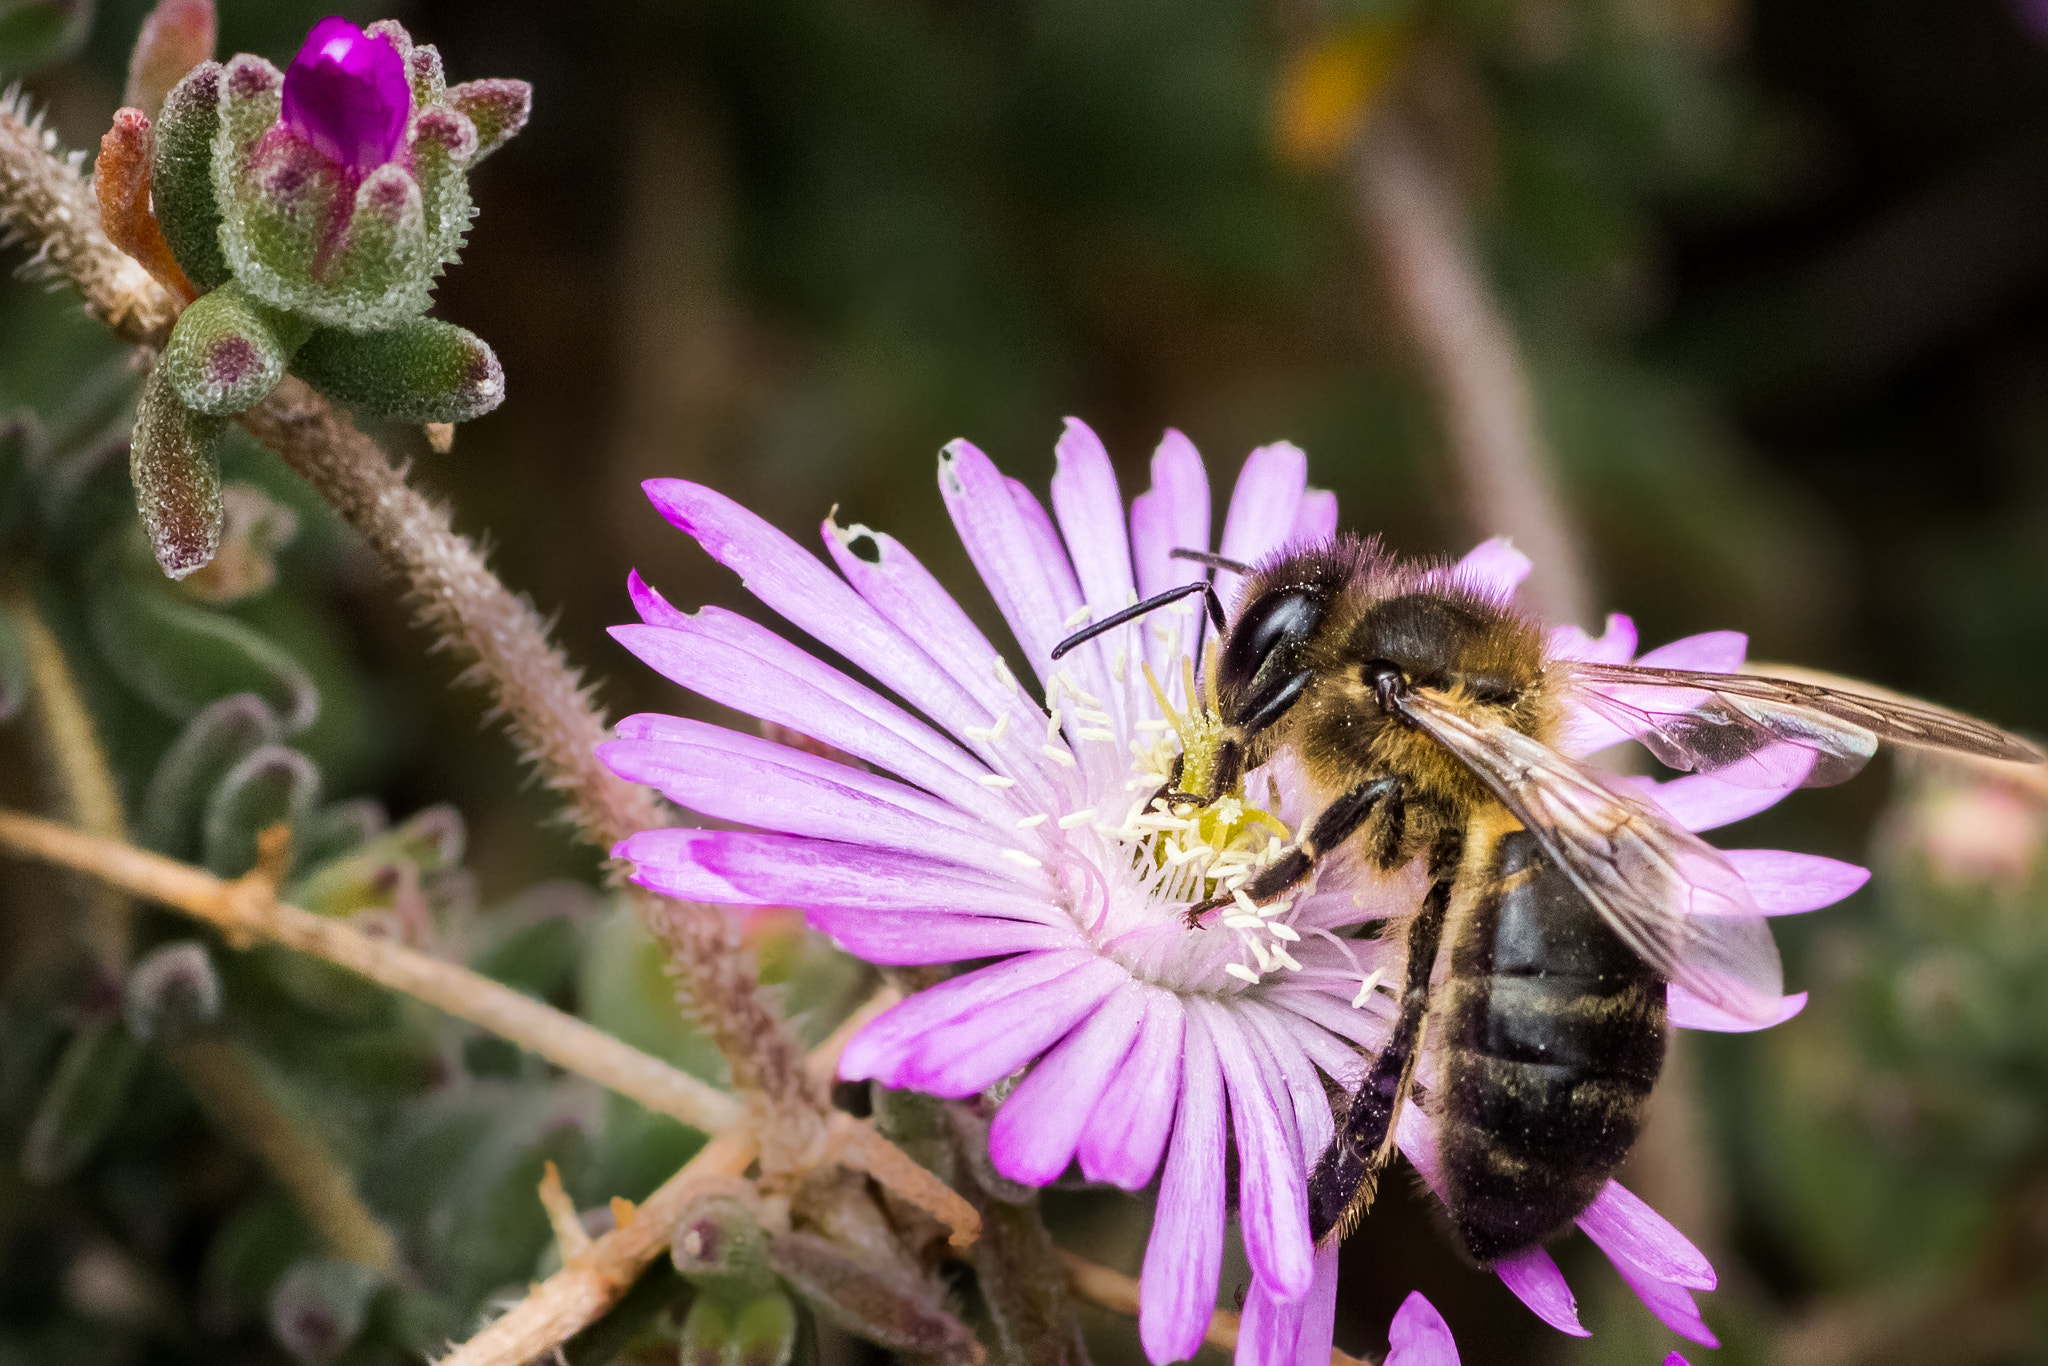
x,y
1337,822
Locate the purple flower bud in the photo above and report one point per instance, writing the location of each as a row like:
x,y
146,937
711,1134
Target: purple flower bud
x,y
346,93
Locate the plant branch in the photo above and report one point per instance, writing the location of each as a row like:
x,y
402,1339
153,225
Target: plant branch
x,y
47,204
1118,1293
247,912
1469,357
227,1086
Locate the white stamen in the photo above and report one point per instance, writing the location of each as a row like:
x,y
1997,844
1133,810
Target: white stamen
x,y
1284,958
1153,723
1096,733
981,735
1250,906
1052,726
995,780
1058,756
1242,973
1074,818
1019,856
1242,922
1259,952
1365,988
1078,615
1033,822
1094,717
1002,672
1000,728
1280,930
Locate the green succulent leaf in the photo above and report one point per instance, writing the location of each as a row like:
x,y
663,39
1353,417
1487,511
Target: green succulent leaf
x,y
181,176
181,657
174,463
213,742
761,1331
272,785
498,109
83,1099
228,350
423,370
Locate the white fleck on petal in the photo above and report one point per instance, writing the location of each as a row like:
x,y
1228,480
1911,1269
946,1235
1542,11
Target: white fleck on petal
x,y
1019,856
1032,822
1074,818
995,780
1057,755
1242,973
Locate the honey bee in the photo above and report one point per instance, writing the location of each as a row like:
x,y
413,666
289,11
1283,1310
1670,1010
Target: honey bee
x,y
1428,720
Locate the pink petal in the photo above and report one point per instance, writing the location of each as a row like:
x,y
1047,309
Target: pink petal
x,y
1536,1282
1127,1129
1091,518
1672,1304
1316,519
1172,515
791,580
1290,1062
1718,652
1675,1360
1010,551
654,609
1297,1333
743,778
976,1050
1038,1128
921,938
1785,883
725,657
1702,801
879,1046
1617,646
1263,507
1687,1011
1494,568
1272,1199
1184,1255
1418,1336
1625,1226
745,869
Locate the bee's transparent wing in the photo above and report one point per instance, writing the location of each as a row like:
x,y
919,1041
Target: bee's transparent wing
x,y
1667,894
1755,731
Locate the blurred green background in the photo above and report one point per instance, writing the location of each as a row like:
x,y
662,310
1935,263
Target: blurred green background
x,y
1780,276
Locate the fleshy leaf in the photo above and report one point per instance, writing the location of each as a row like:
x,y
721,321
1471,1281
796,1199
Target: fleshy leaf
x,y
174,463
14,675
320,1306
181,175
497,108
272,785
870,1299
229,350
755,1332
720,1248
176,36
181,656
82,1100
171,992
423,370
213,742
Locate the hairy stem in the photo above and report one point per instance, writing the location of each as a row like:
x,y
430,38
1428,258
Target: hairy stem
x,y
247,912
229,1088
1469,358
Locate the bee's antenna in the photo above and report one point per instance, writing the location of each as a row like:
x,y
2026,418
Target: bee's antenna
x,y
1213,561
1151,604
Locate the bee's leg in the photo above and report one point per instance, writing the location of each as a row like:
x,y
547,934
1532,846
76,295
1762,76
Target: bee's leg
x,y
1341,1187
1337,823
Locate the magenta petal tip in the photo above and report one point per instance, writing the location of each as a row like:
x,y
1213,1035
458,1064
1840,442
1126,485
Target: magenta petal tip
x,y
346,92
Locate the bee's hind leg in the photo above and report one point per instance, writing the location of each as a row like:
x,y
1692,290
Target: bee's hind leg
x,y
1336,823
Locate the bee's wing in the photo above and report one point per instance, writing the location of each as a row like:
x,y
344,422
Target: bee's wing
x,y
1667,894
1772,732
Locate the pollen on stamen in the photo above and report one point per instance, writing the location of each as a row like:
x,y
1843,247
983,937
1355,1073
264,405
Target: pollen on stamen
x,y
1019,856
1078,616
1052,726
1057,755
1280,930
1284,958
1242,973
995,780
1074,818
1032,822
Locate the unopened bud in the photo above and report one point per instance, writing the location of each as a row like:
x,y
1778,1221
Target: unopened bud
x,y
755,1332
718,1246
272,786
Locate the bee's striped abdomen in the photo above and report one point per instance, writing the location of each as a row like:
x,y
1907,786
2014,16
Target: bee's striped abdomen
x,y
1553,1034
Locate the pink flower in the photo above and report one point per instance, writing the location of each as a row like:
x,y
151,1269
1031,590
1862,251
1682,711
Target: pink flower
x,y
997,821
346,93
